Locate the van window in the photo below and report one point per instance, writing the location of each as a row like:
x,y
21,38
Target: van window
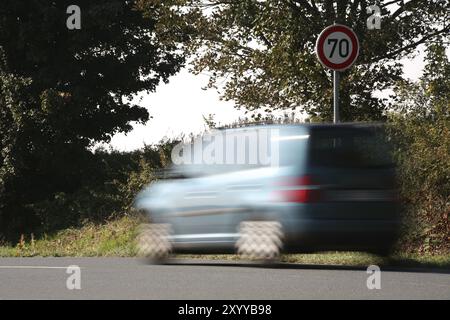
x,y
349,147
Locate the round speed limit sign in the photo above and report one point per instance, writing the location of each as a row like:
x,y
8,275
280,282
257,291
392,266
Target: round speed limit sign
x,y
337,47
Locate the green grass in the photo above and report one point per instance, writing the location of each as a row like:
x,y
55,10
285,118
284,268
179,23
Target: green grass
x,y
115,238
365,259
354,259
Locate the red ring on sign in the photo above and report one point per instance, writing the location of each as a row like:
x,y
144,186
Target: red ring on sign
x,y
320,51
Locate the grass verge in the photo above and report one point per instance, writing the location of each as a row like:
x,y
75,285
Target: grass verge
x,y
354,259
115,239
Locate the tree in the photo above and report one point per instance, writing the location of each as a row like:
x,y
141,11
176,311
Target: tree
x,y
261,53
428,99
116,53
62,90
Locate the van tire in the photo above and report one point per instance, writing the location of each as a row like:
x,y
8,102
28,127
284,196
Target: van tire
x,y
260,240
152,242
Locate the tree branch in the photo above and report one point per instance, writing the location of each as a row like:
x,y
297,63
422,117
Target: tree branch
x,y
265,40
402,9
389,3
313,5
297,9
410,46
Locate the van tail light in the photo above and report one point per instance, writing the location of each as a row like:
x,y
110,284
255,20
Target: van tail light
x,y
298,190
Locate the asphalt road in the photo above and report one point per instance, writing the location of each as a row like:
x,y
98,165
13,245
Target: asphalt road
x,y
124,278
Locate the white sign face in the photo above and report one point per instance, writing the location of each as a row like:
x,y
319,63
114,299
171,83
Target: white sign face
x,y
337,47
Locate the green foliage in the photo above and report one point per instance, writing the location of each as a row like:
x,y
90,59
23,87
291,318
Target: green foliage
x,y
117,53
260,54
110,192
151,162
421,131
63,90
424,172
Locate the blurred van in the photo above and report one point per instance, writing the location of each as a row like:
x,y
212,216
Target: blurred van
x,y
311,187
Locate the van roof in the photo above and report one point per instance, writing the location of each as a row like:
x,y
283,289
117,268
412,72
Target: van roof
x,y
307,126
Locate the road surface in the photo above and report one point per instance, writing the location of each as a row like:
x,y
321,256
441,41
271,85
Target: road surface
x,y
126,278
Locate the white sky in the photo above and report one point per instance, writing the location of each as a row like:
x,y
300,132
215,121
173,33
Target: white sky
x,y
178,108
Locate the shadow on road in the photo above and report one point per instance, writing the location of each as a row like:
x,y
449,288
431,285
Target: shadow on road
x,y
395,266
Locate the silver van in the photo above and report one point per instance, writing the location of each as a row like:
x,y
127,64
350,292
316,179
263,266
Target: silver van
x,y
309,187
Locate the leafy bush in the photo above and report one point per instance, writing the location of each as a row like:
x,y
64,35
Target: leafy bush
x,y
423,161
420,129
110,182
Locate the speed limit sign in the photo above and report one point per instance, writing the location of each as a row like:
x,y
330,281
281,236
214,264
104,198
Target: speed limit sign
x,y
337,47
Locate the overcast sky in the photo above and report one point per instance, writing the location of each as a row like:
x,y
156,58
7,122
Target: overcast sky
x,y
179,106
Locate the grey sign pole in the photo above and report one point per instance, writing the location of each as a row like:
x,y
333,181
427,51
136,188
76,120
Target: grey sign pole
x,y
335,96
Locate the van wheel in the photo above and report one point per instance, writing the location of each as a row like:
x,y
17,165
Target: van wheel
x,y
260,240
152,242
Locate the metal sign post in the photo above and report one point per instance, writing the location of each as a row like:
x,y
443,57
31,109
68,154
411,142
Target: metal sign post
x,y
337,48
335,96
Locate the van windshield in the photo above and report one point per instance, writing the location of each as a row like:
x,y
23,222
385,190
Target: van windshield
x,y
349,147
243,149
